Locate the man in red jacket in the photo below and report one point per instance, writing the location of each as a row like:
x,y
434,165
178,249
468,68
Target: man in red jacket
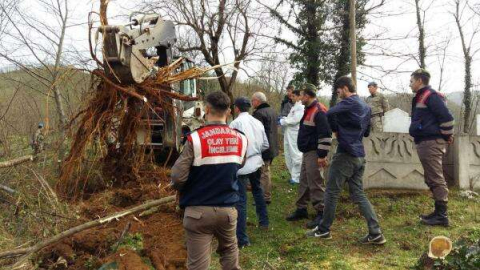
x,y
314,141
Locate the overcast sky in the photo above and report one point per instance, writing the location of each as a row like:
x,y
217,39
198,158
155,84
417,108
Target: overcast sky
x,y
392,30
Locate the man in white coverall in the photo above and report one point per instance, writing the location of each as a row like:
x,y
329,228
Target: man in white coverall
x,y
291,123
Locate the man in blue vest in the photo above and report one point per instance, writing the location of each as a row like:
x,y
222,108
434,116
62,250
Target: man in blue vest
x,y
206,176
432,129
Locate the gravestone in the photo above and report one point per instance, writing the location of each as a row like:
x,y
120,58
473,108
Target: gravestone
x,y
397,121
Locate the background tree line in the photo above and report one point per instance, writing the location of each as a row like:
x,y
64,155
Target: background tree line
x,y
269,44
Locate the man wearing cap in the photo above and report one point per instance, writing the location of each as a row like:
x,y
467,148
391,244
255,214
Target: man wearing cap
x,y
379,105
38,140
252,170
314,141
269,118
432,128
205,175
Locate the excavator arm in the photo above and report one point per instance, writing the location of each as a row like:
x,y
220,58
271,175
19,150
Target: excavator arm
x,y
132,51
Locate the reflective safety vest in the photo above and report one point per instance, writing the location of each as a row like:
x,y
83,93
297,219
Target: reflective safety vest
x,y
219,152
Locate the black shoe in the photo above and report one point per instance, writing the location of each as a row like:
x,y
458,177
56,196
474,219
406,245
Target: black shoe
x,y
299,214
371,239
314,223
436,221
318,234
440,218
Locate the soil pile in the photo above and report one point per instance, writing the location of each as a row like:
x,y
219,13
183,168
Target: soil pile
x,y
153,241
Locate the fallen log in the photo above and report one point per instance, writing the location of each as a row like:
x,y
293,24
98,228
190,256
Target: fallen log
x,y
13,162
30,250
7,189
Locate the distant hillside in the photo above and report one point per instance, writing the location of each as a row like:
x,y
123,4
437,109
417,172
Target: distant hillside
x,y
25,101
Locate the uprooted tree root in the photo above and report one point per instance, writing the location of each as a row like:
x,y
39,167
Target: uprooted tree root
x,y
107,130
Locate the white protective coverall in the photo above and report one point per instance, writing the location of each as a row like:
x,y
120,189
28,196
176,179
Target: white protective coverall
x,y
293,156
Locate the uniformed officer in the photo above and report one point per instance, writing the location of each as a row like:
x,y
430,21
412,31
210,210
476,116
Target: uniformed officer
x,y
206,176
314,141
432,128
39,140
379,105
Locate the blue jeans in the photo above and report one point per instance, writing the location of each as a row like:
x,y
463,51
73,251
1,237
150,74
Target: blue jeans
x,y
260,205
350,169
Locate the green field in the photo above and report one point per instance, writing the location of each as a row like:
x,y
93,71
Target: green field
x,y
286,247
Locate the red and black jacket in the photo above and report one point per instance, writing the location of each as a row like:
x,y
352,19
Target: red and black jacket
x,y
431,118
314,132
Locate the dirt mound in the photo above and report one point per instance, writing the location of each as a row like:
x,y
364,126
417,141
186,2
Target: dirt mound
x,y
159,239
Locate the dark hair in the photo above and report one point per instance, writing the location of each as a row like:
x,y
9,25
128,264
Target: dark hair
x,y
291,87
243,108
218,101
309,92
345,81
296,92
422,74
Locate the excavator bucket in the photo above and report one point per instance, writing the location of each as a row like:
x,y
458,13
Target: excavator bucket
x,y
132,51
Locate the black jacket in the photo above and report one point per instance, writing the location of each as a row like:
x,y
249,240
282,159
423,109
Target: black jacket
x,y
265,114
286,106
314,132
431,118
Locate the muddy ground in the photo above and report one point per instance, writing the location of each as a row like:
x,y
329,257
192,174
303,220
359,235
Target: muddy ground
x,y
160,246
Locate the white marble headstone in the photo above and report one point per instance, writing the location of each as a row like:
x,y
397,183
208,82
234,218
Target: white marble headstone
x,y
397,121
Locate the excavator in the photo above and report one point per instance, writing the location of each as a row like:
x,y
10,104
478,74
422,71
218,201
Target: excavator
x,y
134,52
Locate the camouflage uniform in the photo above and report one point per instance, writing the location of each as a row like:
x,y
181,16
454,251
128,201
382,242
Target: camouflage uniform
x,y
38,141
379,105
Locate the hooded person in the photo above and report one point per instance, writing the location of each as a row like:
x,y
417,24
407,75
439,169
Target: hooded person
x,y
291,125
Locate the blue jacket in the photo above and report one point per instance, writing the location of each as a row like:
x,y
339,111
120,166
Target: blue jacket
x,y
350,118
314,132
431,118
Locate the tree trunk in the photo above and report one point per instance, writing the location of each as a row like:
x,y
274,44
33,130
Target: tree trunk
x,y
467,93
62,118
467,98
342,61
353,42
313,70
422,51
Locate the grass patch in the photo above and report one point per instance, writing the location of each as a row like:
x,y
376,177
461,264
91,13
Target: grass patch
x,y
286,247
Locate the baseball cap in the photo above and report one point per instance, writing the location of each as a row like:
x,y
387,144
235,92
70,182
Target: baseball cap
x,y
372,84
242,102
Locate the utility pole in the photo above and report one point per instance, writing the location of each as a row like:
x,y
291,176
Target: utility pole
x,y
353,41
